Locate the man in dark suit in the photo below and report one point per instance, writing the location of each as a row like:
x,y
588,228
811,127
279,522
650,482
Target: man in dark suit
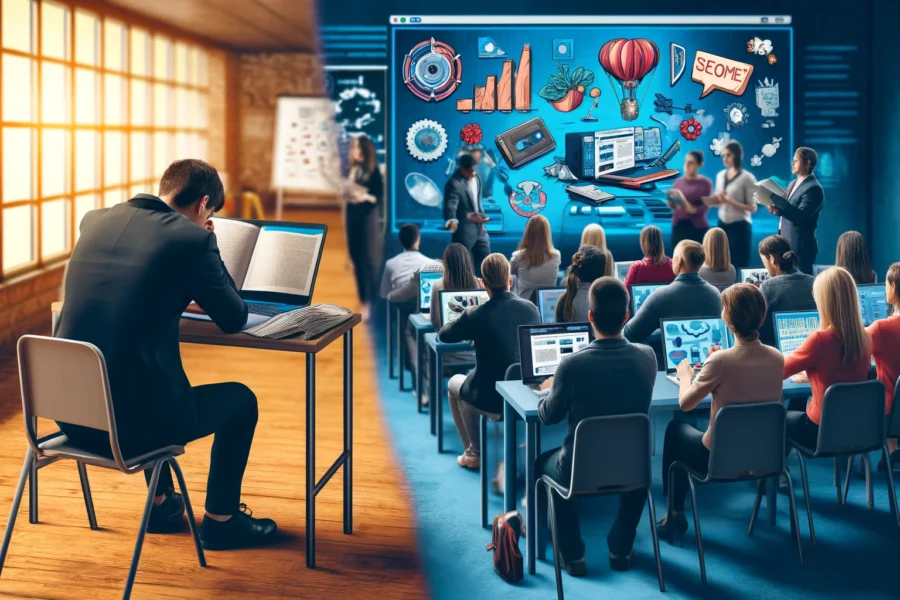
x,y
799,209
463,211
494,328
610,377
134,270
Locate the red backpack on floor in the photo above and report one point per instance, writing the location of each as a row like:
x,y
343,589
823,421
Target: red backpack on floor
x,y
505,545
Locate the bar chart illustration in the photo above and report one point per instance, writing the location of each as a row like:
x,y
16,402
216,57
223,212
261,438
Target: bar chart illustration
x,y
511,91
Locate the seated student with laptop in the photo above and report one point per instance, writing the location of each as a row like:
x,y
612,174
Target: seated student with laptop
x,y
543,347
400,269
747,372
132,273
493,327
787,288
885,334
687,296
588,265
610,377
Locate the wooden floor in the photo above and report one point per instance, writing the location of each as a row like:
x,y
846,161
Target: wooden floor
x,y
62,558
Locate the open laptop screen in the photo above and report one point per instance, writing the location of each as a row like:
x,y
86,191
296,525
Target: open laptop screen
x,y
454,303
792,328
622,268
754,276
542,347
426,281
691,339
872,302
547,299
640,293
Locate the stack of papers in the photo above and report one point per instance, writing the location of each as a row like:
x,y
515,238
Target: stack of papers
x,y
305,323
765,189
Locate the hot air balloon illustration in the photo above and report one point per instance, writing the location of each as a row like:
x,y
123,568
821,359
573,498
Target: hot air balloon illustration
x,y
629,61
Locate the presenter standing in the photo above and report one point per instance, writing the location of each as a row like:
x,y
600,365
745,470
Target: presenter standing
x,y
799,208
364,197
686,201
463,212
734,196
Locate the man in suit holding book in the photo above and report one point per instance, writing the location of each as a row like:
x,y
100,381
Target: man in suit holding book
x,y
134,270
799,208
463,212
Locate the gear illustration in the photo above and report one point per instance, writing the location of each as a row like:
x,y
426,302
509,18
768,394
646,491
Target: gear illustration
x,y
426,140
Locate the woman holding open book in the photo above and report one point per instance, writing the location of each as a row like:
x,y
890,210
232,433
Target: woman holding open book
x,y
364,197
734,197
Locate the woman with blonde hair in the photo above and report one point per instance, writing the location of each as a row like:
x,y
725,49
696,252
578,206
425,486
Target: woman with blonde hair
x,y
839,352
656,267
717,270
535,264
594,235
588,265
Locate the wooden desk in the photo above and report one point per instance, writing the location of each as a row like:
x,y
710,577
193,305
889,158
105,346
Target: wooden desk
x,y
208,333
520,402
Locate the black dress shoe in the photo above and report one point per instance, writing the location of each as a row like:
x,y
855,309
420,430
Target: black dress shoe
x,y
621,563
168,516
673,529
242,530
575,568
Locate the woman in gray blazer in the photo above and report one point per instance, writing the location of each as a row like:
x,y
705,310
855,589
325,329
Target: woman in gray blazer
x,y
588,265
535,264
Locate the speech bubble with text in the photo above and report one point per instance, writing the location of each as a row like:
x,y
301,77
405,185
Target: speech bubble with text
x,y
720,73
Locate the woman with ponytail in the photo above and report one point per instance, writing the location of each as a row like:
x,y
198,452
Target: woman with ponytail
x,y
588,265
787,289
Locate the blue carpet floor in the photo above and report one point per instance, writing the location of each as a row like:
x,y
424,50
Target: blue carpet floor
x,y
856,555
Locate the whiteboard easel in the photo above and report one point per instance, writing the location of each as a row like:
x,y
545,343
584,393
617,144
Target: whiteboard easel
x,y
305,154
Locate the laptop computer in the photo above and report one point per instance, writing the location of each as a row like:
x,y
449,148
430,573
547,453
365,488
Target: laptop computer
x,y
819,268
542,347
454,303
872,302
691,339
546,302
640,293
754,276
425,280
622,268
792,328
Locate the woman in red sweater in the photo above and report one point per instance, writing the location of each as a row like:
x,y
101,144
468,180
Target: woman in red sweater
x,y
840,352
656,266
885,342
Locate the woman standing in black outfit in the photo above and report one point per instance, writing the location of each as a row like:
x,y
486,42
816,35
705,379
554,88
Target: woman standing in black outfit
x,y
362,218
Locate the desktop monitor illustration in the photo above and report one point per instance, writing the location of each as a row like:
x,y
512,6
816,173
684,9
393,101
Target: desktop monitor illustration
x,y
754,276
691,339
640,293
872,303
542,347
454,303
426,281
547,300
792,328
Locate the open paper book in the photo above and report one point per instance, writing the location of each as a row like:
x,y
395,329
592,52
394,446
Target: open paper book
x,y
271,258
766,188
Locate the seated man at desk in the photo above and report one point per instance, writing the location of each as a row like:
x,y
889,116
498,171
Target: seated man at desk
x,y
687,296
610,377
494,328
134,270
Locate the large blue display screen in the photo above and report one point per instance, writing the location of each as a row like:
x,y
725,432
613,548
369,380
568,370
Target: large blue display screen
x,y
546,103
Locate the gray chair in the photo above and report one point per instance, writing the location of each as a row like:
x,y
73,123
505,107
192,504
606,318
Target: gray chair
x,y
624,442
64,380
513,373
747,444
892,430
852,424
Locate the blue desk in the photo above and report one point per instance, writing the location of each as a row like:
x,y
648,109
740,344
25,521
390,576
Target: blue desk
x,y
436,399
520,402
392,310
421,325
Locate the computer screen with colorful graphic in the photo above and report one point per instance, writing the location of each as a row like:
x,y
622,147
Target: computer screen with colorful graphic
x,y
546,102
792,328
872,302
754,276
691,339
426,283
640,293
454,303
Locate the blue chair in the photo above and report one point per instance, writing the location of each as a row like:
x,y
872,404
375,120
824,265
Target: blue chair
x,y
624,441
852,424
747,445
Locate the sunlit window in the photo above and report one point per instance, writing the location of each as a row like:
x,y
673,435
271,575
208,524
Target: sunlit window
x,y
93,111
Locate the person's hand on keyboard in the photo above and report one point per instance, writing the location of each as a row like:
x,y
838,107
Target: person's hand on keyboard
x,y
685,371
546,385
